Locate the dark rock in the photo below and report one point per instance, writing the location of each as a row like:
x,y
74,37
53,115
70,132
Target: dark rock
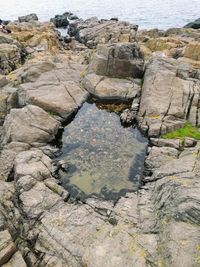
x,y
27,18
194,24
6,22
60,21
63,165
128,116
114,19
72,16
67,39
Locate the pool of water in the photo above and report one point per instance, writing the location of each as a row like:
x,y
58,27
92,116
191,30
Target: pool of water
x,y
103,158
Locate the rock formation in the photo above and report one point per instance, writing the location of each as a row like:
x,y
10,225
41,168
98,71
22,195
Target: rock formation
x,y
42,83
195,24
93,31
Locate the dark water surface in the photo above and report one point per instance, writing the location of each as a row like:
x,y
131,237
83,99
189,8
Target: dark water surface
x,y
147,13
102,156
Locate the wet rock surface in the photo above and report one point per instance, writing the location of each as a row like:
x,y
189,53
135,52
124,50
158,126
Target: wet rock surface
x,y
158,225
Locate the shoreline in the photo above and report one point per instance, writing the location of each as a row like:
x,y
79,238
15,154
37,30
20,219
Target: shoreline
x,y
45,79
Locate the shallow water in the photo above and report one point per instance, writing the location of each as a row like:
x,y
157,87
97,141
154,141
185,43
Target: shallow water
x,y
146,13
103,157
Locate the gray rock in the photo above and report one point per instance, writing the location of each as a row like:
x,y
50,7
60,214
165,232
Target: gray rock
x,y
158,156
189,142
3,81
38,199
36,125
10,57
119,60
31,72
167,99
33,163
92,31
28,18
57,98
7,247
175,143
8,100
16,260
110,88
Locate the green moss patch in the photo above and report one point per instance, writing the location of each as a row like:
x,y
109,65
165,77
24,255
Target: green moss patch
x,y
186,131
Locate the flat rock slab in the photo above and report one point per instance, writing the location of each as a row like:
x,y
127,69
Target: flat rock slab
x,y
89,237
57,98
56,91
29,125
111,88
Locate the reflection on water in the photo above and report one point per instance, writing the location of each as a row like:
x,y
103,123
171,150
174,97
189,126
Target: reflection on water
x,y
102,156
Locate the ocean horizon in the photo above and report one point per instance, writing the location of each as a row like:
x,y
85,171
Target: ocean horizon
x,y
147,14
